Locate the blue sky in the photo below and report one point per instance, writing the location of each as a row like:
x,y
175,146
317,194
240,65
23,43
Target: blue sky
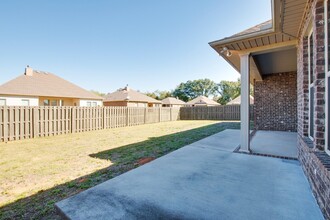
x,y
104,45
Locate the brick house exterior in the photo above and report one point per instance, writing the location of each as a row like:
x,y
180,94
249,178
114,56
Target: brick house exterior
x,y
288,98
311,154
275,105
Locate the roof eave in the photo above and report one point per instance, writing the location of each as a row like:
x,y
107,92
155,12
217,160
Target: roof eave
x,y
241,37
274,15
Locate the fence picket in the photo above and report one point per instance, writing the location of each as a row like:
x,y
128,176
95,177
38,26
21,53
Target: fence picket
x,y
226,112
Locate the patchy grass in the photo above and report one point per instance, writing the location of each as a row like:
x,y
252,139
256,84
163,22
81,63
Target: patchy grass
x,y
36,173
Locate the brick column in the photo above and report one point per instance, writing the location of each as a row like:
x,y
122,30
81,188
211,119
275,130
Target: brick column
x,y
319,76
302,87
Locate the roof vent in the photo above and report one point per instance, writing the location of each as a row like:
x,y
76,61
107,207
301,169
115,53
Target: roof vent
x,y
28,71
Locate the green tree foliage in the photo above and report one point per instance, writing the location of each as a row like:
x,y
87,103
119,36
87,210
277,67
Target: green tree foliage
x,y
191,89
159,95
228,91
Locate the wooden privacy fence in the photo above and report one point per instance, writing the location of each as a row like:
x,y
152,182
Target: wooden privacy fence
x,y
223,112
18,123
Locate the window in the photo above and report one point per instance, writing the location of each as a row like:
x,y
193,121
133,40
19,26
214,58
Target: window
x,y
53,102
311,86
2,102
46,102
25,102
94,104
89,104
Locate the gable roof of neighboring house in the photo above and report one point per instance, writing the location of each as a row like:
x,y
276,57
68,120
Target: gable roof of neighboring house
x,y
129,95
39,83
237,100
202,100
172,101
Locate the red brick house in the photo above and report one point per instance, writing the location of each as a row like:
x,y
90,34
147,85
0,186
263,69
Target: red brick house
x,y
287,61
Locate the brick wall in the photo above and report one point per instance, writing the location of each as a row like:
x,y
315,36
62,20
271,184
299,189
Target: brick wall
x,y
315,162
276,102
115,103
316,165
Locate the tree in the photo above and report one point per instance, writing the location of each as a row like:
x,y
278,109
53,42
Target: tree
x,y
191,89
159,95
229,90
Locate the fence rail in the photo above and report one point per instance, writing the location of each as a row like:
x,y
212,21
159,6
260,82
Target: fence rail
x,y
17,123
224,112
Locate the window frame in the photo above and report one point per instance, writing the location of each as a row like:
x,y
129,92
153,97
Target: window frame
x,y
310,85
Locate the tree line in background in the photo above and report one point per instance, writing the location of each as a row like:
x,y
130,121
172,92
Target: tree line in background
x,y
222,92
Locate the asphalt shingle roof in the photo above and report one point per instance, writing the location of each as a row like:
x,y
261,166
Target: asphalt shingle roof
x,y
172,101
45,84
202,100
128,94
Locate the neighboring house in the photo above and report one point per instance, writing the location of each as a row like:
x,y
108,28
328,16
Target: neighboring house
x,y
287,59
130,98
172,102
38,88
237,101
202,101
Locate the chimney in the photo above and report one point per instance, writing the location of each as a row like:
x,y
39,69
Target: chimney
x,y
28,71
126,88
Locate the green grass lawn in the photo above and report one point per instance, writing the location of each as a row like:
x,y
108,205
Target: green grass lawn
x,y
36,173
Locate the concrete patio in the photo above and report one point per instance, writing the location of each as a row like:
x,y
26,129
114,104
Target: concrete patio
x,y
275,143
204,180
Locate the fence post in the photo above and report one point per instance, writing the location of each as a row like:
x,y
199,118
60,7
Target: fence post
x,y
11,123
127,116
73,120
171,113
145,115
5,124
104,120
35,116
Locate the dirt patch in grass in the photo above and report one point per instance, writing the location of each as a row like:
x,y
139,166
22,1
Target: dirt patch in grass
x,y
145,160
35,174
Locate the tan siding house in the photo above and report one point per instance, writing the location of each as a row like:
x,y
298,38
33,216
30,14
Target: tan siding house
x,y
237,101
172,102
38,88
130,98
202,101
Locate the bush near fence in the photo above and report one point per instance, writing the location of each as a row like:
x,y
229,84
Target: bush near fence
x,y
17,123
